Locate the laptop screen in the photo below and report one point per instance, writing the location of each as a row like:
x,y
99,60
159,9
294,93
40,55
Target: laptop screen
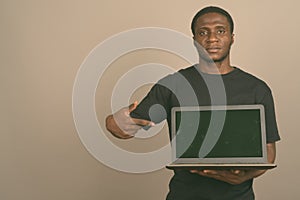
x,y
219,133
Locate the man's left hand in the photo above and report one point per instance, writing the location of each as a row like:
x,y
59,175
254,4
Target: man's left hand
x,y
233,177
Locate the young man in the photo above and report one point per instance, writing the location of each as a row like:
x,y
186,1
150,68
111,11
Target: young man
x,y
212,29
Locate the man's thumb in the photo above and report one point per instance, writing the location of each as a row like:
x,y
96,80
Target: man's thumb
x,y
133,106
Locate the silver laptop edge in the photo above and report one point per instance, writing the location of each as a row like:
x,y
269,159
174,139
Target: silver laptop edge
x,y
237,160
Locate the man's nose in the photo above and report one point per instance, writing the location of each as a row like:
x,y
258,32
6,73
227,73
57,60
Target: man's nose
x,y
212,37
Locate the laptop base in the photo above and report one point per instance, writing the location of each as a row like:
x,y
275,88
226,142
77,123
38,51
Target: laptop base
x,y
221,166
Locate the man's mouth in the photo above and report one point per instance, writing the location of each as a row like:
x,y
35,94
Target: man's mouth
x,y
213,49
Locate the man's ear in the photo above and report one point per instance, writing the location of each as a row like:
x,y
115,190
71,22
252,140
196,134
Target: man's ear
x,y
196,44
232,39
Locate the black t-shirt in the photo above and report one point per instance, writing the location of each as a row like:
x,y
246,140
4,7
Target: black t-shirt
x,y
191,87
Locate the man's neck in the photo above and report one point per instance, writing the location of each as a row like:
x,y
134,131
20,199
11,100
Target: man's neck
x,y
222,67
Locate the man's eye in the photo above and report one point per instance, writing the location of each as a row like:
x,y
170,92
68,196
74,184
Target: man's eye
x,y
202,33
221,31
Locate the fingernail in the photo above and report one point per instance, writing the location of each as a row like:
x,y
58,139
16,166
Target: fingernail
x,y
152,124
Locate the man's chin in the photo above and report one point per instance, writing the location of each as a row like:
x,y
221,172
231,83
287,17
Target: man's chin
x,y
209,59
212,59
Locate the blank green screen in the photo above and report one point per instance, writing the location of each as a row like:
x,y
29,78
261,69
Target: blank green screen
x,y
240,135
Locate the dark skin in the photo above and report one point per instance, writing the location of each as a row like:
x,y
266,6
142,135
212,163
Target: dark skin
x,y
122,126
236,176
212,32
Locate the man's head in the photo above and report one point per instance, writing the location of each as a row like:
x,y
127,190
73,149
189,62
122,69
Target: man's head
x,y
213,34
212,9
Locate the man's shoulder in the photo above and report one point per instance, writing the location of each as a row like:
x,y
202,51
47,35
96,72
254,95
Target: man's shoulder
x,y
249,76
251,79
187,70
184,72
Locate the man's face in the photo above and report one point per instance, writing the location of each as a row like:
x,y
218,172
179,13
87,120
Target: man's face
x,y
212,32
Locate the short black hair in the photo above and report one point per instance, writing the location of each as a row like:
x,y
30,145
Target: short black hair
x,y
212,9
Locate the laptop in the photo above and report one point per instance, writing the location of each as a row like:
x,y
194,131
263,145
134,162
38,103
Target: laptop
x,y
219,137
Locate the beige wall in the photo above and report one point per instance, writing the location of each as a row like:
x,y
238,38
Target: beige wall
x,y
43,44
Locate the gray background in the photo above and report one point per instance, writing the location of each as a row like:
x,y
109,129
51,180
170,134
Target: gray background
x,y
43,44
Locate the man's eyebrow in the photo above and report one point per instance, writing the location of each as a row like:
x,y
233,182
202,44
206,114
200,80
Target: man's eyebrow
x,y
222,26
217,26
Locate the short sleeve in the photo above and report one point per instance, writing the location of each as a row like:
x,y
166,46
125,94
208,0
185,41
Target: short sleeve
x,y
265,97
156,104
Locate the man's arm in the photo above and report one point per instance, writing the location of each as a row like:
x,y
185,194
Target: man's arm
x,y
238,176
122,126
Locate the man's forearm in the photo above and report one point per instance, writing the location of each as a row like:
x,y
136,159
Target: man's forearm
x,y
239,176
254,173
271,152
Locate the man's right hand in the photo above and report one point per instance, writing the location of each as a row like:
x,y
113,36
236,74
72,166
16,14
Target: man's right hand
x,y
121,125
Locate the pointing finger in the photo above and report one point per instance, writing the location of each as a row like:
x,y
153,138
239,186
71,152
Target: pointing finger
x,y
133,106
143,122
